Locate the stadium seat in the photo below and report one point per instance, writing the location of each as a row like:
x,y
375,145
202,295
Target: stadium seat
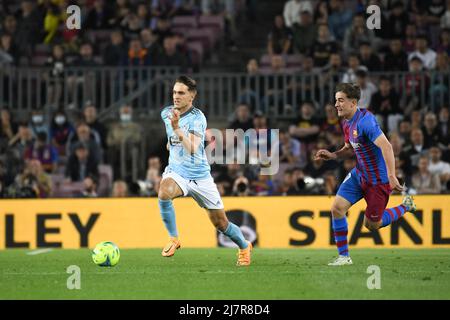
x,y
187,22
38,61
197,50
265,60
205,35
216,22
42,49
294,60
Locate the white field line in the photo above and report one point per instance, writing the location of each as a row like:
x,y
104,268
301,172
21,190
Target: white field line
x,y
39,251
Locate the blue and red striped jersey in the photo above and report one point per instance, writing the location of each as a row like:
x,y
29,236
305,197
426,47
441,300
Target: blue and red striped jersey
x,y
361,131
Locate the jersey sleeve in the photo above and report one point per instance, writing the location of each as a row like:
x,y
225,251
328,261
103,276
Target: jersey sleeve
x,y
198,126
370,127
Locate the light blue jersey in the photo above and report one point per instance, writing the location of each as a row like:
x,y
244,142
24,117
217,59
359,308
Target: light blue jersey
x,y
189,166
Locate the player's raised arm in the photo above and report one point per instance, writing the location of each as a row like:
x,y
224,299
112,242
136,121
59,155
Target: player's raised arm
x,y
345,152
388,154
189,141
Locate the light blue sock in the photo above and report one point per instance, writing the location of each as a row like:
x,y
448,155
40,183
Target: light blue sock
x,y
168,216
235,234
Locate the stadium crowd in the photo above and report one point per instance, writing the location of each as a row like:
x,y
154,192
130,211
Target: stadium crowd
x,y
332,40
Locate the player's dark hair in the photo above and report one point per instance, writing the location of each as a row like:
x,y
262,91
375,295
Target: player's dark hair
x,y
188,82
352,91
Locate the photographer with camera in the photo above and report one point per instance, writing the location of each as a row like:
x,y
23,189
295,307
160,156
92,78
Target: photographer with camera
x,y
32,183
241,187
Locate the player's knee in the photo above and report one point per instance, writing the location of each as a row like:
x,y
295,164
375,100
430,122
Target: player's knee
x,y
371,226
164,195
337,212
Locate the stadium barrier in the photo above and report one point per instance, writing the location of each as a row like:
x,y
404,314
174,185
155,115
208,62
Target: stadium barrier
x,y
271,222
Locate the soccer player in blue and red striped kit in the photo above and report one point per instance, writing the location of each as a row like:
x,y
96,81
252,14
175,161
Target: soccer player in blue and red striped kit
x,y
373,178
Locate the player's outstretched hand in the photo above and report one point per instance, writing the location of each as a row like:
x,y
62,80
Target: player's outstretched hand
x,y
324,155
395,184
174,118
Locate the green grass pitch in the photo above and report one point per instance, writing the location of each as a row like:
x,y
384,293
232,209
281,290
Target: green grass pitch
x,y
211,274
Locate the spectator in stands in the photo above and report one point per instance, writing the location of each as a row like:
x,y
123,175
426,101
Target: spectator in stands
x,y
427,55
243,119
287,183
115,52
280,38
444,42
21,141
444,124
150,43
409,42
8,51
396,58
57,63
263,139
369,59
60,129
120,9
439,167
125,135
339,19
324,46
153,177
90,116
358,33
162,30
38,122
99,16
170,55
331,73
90,185
33,182
423,181
252,86
28,31
416,85
263,186
445,18
290,150
331,123
353,65
404,130
385,103
8,127
307,127
90,139
44,152
274,84
52,20
143,15
131,26
9,25
321,12
366,86
119,189
304,33
137,56
439,80
317,168
430,130
433,10
292,9
416,147
81,164
397,20
331,183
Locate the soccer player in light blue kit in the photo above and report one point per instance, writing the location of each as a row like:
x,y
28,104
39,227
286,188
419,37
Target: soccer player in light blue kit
x,y
188,171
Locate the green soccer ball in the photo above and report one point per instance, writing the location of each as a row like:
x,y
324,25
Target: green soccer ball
x,y
106,254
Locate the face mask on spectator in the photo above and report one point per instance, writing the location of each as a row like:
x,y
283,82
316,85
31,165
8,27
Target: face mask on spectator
x,y
125,117
60,120
37,118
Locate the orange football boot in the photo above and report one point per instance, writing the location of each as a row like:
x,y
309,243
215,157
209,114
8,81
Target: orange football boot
x,y
171,247
244,255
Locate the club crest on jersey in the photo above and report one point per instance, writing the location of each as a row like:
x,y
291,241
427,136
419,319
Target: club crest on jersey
x,y
355,133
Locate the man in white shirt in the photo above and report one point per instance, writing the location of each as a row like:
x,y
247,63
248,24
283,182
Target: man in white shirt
x,y
366,86
439,167
292,11
427,55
